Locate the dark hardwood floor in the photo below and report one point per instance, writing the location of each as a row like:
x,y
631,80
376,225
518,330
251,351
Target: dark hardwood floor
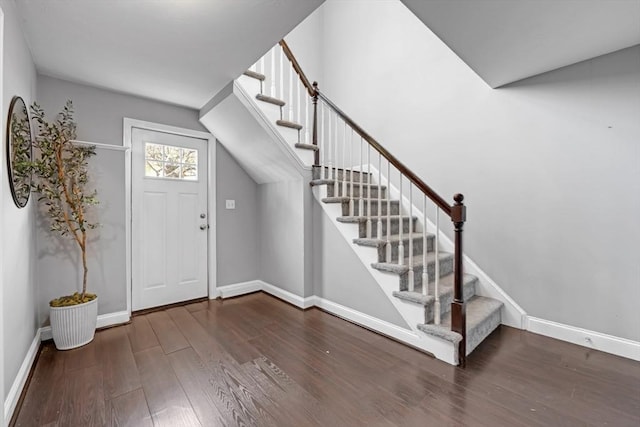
x,y
254,360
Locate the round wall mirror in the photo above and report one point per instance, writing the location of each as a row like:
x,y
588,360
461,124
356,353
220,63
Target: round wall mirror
x,y
19,151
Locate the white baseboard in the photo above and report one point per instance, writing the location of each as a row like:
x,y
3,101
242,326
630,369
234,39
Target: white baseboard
x,y
103,321
287,296
237,289
584,337
229,291
365,320
441,349
15,391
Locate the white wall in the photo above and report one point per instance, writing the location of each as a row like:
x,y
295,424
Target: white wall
x,y
306,43
99,114
549,166
238,238
19,324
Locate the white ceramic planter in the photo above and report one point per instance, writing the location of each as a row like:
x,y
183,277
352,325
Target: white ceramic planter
x,y
73,326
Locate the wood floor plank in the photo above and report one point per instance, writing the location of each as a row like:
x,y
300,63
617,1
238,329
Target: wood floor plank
x,y
168,404
43,399
197,306
129,410
141,335
213,400
254,360
120,373
168,334
220,329
83,398
83,357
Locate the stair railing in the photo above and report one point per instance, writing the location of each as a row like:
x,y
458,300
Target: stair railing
x,y
331,128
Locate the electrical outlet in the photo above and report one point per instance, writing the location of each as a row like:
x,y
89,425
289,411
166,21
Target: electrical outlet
x,y
230,204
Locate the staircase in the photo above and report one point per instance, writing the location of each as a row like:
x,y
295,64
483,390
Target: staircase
x,y
381,218
483,314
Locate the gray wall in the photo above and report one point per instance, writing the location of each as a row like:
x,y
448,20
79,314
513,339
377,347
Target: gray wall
x,y
339,275
238,237
282,234
99,114
18,324
549,166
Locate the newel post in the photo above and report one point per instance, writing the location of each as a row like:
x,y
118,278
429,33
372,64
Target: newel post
x,y
458,309
316,156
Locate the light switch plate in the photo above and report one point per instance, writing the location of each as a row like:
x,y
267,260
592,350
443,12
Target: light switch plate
x,y
230,204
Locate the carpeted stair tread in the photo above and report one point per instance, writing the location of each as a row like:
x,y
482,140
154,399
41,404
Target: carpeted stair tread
x,y
394,267
254,75
322,181
306,146
482,315
324,170
290,125
376,243
360,219
445,286
342,199
357,185
270,100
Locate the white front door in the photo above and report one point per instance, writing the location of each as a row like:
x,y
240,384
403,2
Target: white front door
x,y
169,218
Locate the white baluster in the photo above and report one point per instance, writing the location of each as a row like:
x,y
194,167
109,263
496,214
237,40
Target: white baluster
x,y
290,94
297,117
306,119
330,143
425,246
261,65
281,80
369,224
388,246
336,183
436,292
400,242
272,77
379,234
323,155
360,199
351,194
345,182
410,276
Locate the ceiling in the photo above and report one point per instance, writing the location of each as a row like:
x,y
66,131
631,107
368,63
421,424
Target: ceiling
x,y
178,51
505,41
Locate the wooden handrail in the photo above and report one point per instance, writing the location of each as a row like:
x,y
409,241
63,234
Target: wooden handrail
x,y
297,68
457,211
435,197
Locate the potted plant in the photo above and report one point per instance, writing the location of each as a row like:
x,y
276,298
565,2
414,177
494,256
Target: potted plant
x,y
60,178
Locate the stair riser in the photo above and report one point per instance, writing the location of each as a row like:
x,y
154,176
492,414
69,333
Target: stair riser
x,y
417,248
446,267
478,334
446,298
395,208
395,227
367,192
341,173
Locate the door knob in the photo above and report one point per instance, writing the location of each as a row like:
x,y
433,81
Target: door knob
x,y
204,226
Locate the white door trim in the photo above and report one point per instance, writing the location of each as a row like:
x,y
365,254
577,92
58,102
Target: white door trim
x,y
128,125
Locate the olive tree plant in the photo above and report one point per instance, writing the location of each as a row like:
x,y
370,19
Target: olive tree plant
x,y
61,176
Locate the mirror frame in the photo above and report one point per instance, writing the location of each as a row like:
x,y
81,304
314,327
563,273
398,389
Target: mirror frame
x,y
15,103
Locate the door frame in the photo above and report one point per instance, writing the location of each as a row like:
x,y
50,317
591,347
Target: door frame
x,y
128,126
